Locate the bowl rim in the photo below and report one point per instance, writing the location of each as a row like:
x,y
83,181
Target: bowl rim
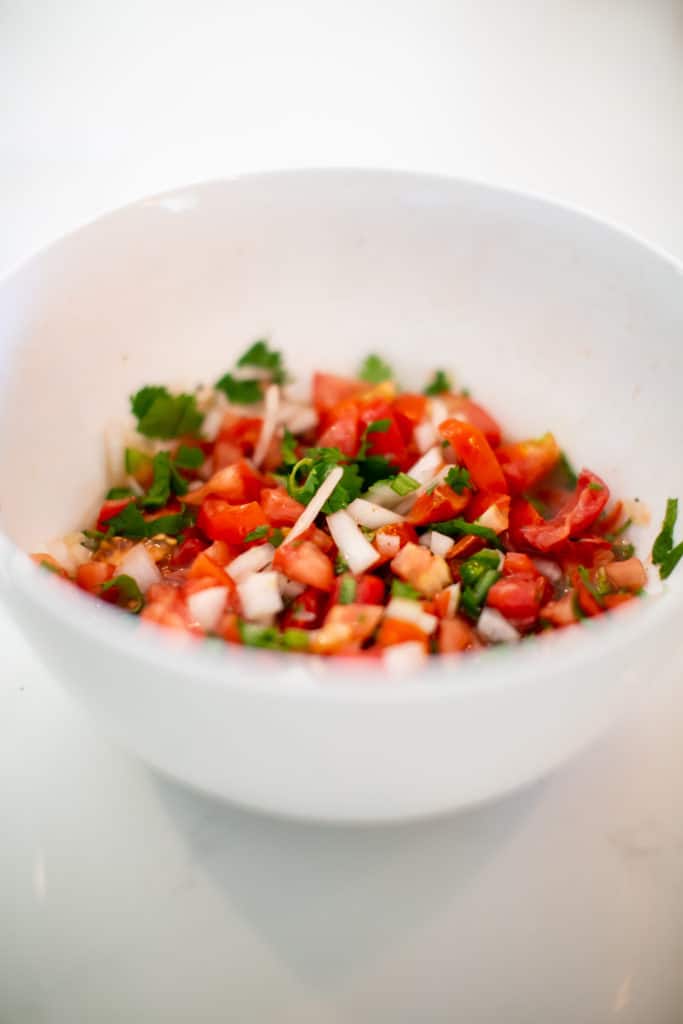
x,y
289,674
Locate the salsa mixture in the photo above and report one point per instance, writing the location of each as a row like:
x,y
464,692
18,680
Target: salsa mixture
x,y
367,521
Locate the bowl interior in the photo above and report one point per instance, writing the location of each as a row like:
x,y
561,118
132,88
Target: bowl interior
x,y
552,319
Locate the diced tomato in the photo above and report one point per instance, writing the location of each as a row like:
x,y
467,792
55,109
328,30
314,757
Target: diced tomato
x,y
329,390
110,509
396,631
588,551
516,564
166,607
388,443
91,575
463,408
279,508
188,549
560,613
617,600
587,602
436,506
611,519
455,636
222,521
236,483
318,537
362,619
522,514
228,628
427,572
518,599
409,410
526,462
472,449
204,567
305,611
580,512
466,547
304,562
369,589
242,431
342,430
627,575
390,539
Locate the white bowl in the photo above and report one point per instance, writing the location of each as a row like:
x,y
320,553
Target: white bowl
x,y
555,320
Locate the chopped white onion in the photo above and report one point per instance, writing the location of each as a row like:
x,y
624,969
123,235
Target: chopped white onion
x,y
260,595
453,600
494,518
410,499
356,550
438,411
302,419
411,611
495,628
250,561
404,658
290,588
440,543
139,564
427,465
214,415
425,435
426,540
383,494
272,401
368,514
310,513
388,544
550,570
207,606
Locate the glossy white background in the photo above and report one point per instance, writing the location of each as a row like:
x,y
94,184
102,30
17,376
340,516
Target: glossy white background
x,y
124,898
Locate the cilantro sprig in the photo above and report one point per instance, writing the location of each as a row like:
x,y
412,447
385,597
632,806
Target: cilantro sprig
x,y
163,415
128,593
262,357
130,522
374,370
439,384
167,479
664,554
458,478
250,390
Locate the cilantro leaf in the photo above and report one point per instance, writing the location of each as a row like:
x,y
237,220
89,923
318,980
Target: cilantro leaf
x,y
130,522
346,491
403,484
289,446
458,478
259,355
440,383
163,415
401,589
258,533
188,458
241,392
664,541
374,468
671,561
115,493
158,494
128,592
375,370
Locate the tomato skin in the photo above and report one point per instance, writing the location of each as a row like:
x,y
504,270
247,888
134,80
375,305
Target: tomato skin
x,y
342,429
304,562
455,636
388,443
518,598
409,410
405,533
443,503
186,552
463,408
526,462
617,600
560,613
516,564
522,514
278,507
110,509
306,610
396,631
580,512
472,449
369,589
91,575
329,390
220,520
204,567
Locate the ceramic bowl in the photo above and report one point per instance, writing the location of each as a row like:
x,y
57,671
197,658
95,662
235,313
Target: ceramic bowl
x,y
555,320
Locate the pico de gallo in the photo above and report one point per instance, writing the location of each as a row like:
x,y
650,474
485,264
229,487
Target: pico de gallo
x,y
364,521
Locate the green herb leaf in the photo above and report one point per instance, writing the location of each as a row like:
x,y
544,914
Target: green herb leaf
x,y
131,523
664,542
590,587
347,590
135,461
401,589
129,595
276,537
258,533
158,494
289,446
265,358
115,493
403,484
241,392
375,370
568,471
346,491
461,528
163,415
595,487
458,478
50,567
671,561
188,458
440,383
374,468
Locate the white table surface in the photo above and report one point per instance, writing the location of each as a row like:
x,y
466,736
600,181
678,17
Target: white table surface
x,y
124,898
